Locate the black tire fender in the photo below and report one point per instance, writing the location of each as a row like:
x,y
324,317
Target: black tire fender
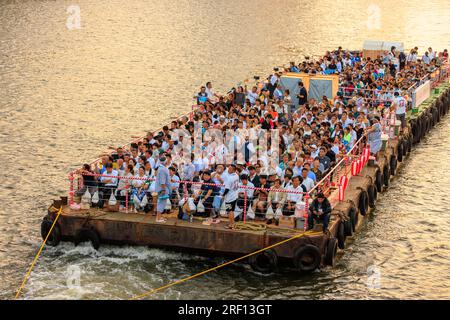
x,y
330,254
348,227
55,237
393,164
405,146
400,150
353,214
386,175
341,236
372,198
307,258
87,234
379,180
363,203
264,262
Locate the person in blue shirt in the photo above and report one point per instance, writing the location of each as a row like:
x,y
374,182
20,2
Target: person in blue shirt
x,y
162,184
202,96
293,68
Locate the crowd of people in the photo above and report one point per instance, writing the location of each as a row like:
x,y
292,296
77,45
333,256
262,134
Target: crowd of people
x,y
312,136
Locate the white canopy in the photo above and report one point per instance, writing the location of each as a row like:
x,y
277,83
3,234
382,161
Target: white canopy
x,y
378,45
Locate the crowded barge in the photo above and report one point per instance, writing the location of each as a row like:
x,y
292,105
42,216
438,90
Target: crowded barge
x,y
287,168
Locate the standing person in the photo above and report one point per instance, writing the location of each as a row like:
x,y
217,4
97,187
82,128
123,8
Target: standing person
x,y
319,210
302,94
400,111
402,59
374,136
210,94
231,193
162,184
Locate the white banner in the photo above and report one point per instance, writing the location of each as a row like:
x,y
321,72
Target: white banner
x,y
422,93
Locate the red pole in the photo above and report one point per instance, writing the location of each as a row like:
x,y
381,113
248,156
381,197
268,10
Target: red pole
x,y
185,191
126,197
245,205
305,214
71,191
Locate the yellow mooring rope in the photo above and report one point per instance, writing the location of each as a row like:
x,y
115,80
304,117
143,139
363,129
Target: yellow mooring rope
x,y
299,235
37,255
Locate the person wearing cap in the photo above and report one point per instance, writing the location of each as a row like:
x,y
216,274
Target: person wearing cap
x,y
320,211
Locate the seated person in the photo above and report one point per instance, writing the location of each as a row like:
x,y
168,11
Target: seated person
x,y
276,199
107,184
260,196
174,185
241,194
139,189
294,196
320,211
89,181
207,193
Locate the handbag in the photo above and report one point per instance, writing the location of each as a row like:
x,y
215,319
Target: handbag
x,y
250,213
269,212
200,206
95,198
112,200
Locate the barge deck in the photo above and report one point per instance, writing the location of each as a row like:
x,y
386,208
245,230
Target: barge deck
x,y
101,226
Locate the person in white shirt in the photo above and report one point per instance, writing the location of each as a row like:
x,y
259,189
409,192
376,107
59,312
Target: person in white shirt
x,y
231,193
187,171
212,96
241,192
426,58
293,198
399,103
107,183
431,53
252,95
307,182
411,57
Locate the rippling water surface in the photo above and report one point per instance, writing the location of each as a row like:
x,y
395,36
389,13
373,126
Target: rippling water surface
x,y
66,95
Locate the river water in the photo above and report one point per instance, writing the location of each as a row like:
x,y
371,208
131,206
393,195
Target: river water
x,y
66,94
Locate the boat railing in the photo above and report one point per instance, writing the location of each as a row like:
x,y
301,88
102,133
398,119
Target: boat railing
x,y
125,194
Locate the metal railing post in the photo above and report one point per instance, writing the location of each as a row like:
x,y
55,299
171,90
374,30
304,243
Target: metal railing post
x,y
305,214
245,205
126,196
71,190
